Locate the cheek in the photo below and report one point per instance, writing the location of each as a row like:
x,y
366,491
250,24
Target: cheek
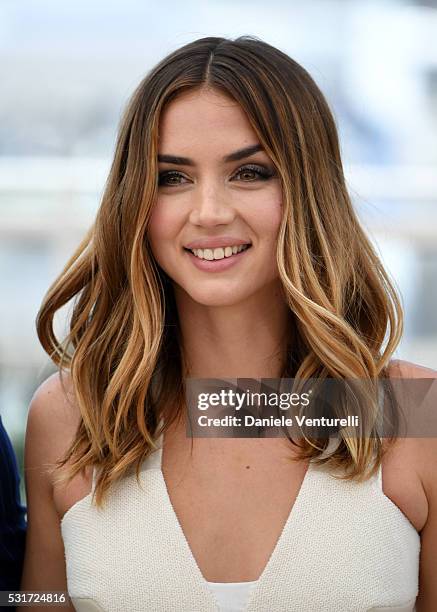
x,y
276,216
163,226
267,219
157,233
157,224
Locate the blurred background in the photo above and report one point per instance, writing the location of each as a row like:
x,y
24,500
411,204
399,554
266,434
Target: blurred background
x,y
68,68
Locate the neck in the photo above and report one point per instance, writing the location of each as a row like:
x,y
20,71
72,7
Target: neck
x,y
244,340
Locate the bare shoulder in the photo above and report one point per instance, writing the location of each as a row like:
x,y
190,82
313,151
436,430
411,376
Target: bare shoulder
x,y
424,458
425,447
55,396
399,368
53,417
419,452
51,425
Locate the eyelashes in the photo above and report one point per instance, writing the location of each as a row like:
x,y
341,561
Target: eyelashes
x,y
171,178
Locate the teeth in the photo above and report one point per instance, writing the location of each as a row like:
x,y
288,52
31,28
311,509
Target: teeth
x,y
219,253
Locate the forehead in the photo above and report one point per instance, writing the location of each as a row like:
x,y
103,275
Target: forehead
x,y
204,119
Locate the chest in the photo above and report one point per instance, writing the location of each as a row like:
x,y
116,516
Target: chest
x,y
232,499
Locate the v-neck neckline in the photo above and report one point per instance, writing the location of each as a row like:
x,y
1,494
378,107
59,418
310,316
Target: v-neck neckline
x,y
280,542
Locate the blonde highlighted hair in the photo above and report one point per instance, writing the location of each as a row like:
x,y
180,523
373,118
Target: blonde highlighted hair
x,y
123,349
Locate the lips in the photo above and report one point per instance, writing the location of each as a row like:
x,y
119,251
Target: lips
x,y
222,263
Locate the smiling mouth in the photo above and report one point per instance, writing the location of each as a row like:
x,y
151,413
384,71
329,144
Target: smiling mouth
x,y
218,253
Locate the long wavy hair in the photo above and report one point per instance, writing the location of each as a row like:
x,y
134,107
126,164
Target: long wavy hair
x,y
123,352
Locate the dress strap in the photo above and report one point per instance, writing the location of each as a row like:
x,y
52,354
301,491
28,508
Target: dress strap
x,y
378,477
381,398
154,460
94,478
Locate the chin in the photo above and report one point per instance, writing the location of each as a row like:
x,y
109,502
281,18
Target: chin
x,y
206,299
215,296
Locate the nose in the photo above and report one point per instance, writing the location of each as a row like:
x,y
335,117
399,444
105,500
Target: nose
x,y
210,207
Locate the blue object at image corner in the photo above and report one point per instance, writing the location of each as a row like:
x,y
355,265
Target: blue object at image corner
x,y
12,517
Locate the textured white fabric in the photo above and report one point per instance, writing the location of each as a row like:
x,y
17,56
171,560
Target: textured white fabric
x,y
345,547
232,596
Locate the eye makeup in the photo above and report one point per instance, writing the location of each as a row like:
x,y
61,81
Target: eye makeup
x,y
261,173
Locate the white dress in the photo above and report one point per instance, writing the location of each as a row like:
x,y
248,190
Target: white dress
x,y
345,547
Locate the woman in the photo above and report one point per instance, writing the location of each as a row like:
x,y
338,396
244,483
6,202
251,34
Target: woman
x,y
225,246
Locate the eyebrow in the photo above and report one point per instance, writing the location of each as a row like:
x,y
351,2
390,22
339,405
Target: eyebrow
x,y
235,156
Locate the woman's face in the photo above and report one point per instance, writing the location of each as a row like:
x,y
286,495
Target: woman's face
x,y
218,190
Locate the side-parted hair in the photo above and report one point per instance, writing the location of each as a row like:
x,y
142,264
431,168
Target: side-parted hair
x,y
123,352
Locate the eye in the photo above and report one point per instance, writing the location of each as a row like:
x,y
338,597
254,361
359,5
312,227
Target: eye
x,y
251,172
170,178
